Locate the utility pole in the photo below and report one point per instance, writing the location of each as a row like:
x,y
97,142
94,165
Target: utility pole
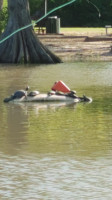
x,y
45,7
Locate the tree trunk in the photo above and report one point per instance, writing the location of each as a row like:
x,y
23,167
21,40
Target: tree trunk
x,y
24,46
1,4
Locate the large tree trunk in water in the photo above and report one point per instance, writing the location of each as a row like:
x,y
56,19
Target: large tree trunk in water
x,y
24,45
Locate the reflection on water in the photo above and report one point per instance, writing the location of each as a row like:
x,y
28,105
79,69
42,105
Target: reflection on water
x,y
57,148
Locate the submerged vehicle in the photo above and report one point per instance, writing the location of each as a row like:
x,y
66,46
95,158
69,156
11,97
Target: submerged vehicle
x,y
60,93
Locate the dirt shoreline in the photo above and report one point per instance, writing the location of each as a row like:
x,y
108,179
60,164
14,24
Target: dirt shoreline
x,y
79,47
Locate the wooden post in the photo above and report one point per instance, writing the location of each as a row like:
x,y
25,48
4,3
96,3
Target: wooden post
x,y
106,28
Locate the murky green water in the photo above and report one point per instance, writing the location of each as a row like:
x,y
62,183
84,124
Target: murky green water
x,y
56,151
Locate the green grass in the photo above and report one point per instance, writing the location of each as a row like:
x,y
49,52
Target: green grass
x,y
83,30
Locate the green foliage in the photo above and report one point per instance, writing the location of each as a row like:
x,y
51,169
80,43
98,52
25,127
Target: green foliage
x,y
80,13
36,5
4,3
3,16
3,19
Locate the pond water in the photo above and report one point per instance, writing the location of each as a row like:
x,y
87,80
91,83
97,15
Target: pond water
x,y
56,151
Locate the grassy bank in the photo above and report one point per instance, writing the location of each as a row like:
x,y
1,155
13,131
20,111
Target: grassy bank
x,y
84,31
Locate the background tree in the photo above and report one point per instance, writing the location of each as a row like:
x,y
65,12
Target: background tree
x,y
79,14
1,4
24,46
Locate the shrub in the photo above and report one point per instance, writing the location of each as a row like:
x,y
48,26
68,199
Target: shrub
x,y
3,19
